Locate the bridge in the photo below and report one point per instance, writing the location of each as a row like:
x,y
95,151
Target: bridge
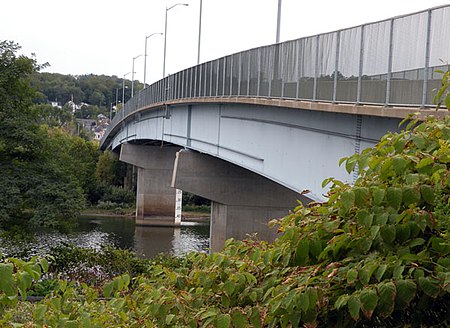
x,y
252,130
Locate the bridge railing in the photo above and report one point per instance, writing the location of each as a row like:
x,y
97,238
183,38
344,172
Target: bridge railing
x,y
390,62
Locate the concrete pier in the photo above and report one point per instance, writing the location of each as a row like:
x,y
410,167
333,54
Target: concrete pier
x,y
242,201
155,198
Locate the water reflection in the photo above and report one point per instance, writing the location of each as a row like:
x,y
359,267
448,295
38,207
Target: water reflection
x,y
149,241
121,232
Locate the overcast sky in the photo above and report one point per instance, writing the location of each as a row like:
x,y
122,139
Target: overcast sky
x,y
102,37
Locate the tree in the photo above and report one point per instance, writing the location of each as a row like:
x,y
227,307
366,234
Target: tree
x,y
35,186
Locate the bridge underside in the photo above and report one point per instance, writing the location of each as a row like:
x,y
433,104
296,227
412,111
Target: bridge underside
x,y
292,147
252,162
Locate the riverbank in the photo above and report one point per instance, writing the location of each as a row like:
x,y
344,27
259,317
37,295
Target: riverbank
x,y
188,216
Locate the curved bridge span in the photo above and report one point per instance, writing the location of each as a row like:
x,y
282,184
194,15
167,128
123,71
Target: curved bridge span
x,y
273,121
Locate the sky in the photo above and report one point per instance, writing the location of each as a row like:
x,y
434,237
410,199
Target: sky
x,y
102,37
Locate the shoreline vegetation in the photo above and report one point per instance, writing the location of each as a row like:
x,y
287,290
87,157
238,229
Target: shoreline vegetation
x,y
192,216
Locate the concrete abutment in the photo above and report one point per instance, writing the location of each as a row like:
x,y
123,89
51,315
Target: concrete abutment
x,y
243,202
155,198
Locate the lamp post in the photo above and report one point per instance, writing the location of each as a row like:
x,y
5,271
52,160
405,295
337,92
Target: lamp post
x,y
278,22
132,75
200,31
123,89
165,34
145,55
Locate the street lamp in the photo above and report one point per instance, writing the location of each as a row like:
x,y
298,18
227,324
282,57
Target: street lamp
x,y
278,22
145,55
132,75
123,89
165,34
200,31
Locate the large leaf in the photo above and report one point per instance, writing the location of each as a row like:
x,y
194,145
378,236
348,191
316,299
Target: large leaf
x,y
302,252
428,193
354,306
352,276
6,279
315,247
377,195
399,164
366,272
388,233
406,291
223,321
402,232
304,302
419,141
425,162
369,301
411,196
429,286
347,199
362,196
24,282
387,293
351,163
239,319
365,218
394,197
341,301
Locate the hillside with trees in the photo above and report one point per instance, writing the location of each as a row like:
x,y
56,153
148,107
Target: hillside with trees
x,y
98,92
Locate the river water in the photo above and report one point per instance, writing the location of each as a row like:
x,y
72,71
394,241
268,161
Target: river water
x,y
119,232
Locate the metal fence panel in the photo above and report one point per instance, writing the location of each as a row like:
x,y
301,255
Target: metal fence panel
x,y
253,57
289,69
307,67
375,62
348,64
408,59
439,54
326,66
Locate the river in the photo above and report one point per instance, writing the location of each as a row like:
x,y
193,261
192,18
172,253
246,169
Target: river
x,y
120,232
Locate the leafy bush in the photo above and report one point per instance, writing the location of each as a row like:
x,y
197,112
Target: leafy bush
x,y
118,195
197,208
94,266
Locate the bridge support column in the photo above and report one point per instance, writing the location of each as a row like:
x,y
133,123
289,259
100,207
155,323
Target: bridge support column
x,y
242,201
155,198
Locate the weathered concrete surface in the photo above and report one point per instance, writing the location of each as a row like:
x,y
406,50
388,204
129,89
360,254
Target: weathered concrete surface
x,y
243,201
155,198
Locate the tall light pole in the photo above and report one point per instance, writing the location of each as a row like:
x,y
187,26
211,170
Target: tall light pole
x,y
165,34
123,89
132,75
145,55
199,32
278,22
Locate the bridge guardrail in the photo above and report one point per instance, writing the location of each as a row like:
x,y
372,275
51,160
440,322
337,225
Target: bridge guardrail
x,y
390,62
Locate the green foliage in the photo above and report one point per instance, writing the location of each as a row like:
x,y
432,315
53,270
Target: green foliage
x,y
36,187
197,208
16,278
442,97
45,173
53,116
109,170
94,266
99,91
